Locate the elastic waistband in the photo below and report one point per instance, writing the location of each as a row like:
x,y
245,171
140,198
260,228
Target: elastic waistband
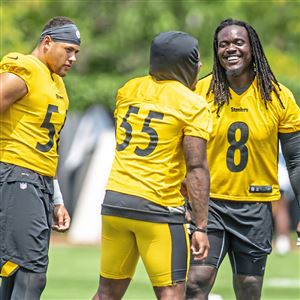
x,y
14,173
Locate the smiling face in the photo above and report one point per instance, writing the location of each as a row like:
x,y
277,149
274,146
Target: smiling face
x,y
234,50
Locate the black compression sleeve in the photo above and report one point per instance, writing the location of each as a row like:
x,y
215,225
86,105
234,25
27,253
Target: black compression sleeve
x,y
290,145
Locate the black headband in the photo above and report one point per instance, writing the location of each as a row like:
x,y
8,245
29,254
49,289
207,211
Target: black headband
x,y
68,33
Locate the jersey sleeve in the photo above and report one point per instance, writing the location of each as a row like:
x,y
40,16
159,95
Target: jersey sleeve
x,y
202,86
198,119
17,64
290,117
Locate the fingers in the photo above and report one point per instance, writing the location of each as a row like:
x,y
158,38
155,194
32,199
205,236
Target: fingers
x,y
200,254
61,219
61,226
200,245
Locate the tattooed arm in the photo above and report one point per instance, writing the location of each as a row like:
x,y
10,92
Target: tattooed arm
x,y
198,184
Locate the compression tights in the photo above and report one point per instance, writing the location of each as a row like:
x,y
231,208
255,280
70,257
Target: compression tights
x,y
23,285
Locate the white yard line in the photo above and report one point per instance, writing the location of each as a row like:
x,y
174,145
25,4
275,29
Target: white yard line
x,y
215,297
282,282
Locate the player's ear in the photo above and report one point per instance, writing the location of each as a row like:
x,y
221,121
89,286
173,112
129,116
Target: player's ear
x,y
47,42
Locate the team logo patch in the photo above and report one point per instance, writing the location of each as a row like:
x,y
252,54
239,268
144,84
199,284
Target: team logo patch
x,y
23,185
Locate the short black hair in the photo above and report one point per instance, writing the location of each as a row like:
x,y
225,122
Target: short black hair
x,y
57,21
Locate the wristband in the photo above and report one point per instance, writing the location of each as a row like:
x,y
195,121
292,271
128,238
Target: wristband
x,y
57,195
298,242
204,230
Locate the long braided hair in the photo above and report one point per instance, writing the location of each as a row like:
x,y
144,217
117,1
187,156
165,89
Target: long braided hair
x,y
265,78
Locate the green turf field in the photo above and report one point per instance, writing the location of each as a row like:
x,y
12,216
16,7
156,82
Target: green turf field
x,y
73,275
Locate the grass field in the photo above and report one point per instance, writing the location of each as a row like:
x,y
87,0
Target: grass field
x,y
73,275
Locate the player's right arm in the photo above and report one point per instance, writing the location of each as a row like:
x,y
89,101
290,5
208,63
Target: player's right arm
x,y
198,184
12,89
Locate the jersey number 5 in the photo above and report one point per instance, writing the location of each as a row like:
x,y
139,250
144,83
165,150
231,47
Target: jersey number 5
x,y
48,125
237,145
146,128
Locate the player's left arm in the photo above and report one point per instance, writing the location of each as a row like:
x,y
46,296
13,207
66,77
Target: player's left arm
x,y
197,185
61,217
290,144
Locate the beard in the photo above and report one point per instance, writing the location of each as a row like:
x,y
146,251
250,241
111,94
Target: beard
x,y
234,72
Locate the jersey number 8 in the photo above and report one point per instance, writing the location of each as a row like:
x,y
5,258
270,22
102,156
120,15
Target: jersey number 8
x,y
237,145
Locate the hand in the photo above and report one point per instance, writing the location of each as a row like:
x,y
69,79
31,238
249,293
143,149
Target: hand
x,y
61,218
298,234
200,245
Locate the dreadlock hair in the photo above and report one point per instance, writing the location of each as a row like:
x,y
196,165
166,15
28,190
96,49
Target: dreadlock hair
x,y
265,78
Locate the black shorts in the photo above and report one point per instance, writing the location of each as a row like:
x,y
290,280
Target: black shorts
x,y
25,217
244,231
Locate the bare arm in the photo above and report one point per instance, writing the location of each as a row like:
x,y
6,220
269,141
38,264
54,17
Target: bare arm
x,y
12,89
198,184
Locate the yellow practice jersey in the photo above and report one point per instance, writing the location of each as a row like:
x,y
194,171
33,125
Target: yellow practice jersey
x,y
243,149
151,119
29,129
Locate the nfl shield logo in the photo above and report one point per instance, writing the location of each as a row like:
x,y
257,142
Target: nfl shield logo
x,y
23,185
